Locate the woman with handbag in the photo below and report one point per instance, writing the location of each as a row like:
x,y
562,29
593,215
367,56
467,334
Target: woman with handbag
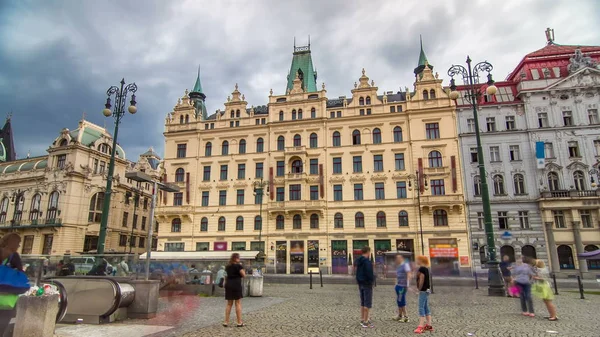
x,y
542,289
234,289
13,280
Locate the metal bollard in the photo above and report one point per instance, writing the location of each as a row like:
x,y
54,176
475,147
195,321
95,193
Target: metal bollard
x,y
555,285
431,282
321,277
476,281
580,287
310,277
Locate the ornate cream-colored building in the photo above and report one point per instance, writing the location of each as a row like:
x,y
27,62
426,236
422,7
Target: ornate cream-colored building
x,y
338,174
55,201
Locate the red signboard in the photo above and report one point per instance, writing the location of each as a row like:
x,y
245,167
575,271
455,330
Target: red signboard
x,y
464,260
271,189
321,182
421,180
453,173
443,252
220,246
187,188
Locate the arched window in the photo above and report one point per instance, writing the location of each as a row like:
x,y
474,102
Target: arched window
x,y
242,146
299,113
553,183
257,223
221,224
361,101
314,221
297,222
225,148
239,223
187,119
237,113
425,95
477,186
435,159
260,145
381,222
280,116
19,203
355,137
280,222
313,113
34,211
440,218
432,94
565,257
297,166
519,182
499,185
280,143
297,140
96,204
176,225
337,141
579,181
508,251
181,119
338,220
368,100
294,114
359,220
208,149
376,136
63,142
592,264
3,209
314,140
179,175
397,134
528,251
403,219
52,211
204,225
232,115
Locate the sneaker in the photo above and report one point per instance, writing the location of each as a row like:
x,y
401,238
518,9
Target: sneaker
x,y
420,329
370,324
398,318
405,319
363,324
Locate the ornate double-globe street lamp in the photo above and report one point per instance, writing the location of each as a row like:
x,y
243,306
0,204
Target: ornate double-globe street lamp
x,y
117,112
417,181
470,77
259,190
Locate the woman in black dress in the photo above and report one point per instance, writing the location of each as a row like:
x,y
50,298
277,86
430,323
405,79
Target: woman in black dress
x,y
233,289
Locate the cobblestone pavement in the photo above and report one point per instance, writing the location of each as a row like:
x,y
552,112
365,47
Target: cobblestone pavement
x,y
294,310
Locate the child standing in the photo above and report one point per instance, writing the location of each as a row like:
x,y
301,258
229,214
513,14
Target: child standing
x,y
402,281
424,288
542,288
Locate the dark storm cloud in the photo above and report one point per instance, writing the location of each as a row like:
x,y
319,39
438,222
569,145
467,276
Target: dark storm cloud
x,y
58,58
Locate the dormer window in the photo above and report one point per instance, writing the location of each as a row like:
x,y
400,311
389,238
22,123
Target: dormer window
x,y
425,95
368,100
63,142
432,94
232,114
104,148
237,113
361,101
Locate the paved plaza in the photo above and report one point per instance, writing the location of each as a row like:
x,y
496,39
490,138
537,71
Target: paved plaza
x,y
295,310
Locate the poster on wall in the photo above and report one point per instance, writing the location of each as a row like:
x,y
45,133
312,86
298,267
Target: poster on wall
x,y
297,257
313,253
406,245
444,256
464,261
339,256
357,246
220,246
281,257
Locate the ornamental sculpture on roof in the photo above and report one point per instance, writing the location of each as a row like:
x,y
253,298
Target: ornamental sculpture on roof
x,y
579,61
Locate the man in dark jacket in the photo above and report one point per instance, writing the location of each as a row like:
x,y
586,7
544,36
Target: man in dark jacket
x,y
365,279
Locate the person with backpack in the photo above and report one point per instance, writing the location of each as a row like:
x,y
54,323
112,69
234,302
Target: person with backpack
x,y
365,278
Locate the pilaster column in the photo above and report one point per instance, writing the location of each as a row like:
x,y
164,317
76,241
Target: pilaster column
x,y
579,246
554,265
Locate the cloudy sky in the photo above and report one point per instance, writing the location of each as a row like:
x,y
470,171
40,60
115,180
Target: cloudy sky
x,y
58,58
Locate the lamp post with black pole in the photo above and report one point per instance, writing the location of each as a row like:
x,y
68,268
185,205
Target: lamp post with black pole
x,y
416,180
259,190
117,112
470,77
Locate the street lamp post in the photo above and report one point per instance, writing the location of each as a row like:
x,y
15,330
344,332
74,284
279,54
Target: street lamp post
x,y
117,113
471,77
136,199
595,172
417,182
259,189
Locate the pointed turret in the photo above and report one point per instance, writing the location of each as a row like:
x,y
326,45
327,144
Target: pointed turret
x,y
197,96
423,62
302,66
7,147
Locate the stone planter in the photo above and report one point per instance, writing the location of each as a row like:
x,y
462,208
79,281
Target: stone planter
x,y
145,303
36,316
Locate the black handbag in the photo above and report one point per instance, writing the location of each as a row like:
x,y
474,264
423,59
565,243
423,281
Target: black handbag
x,y
221,282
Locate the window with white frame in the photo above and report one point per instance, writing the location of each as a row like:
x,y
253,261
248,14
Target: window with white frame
x,y
494,153
510,122
543,120
597,146
499,185
593,116
491,124
524,219
548,151
559,219
579,180
480,220
519,184
586,218
470,125
514,152
476,186
573,149
474,155
567,118
503,220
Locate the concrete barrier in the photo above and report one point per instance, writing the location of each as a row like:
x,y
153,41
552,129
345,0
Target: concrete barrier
x,y
145,303
36,316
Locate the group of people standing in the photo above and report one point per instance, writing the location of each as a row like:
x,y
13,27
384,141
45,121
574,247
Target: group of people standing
x,y
528,276
365,278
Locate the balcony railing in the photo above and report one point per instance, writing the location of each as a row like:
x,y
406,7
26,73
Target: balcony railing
x,y
296,176
297,204
295,149
31,223
570,194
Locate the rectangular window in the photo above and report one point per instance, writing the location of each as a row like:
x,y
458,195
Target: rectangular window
x,y
437,187
61,161
514,152
480,220
144,223
567,118
237,123
399,161
573,149
280,196
393,108
503,220
222,197
231,124
240,197
491,124
337,193
338,114
597,147
357,164
358,192
432,130
494,153
314,192
96,166
559,219
135,218
206,174
401,189
205,198
543,120
524,219
223,175
241,171
280,168
314,166
378,163
593,116
125,219
474,155
510,122
259,170
102,167
332,114
470,125
548,150
122,240
361,112
368,111
586,219
379,191
202,246
181,150
177,199
337,165
313,113
295,193
174,247
263,121
257,121
258,197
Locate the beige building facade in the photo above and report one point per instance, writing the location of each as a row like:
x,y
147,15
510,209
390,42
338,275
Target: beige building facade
x,y
55,201
338,174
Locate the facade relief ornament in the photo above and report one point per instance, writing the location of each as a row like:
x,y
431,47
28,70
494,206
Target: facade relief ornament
x,y
580,61
337,179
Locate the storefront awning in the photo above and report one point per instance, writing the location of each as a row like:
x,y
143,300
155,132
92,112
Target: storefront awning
x,y
201,255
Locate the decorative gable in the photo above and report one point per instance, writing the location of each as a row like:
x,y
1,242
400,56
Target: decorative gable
x,y
584,78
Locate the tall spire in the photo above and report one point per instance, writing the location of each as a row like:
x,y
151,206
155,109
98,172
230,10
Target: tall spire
x,y
302,66
423,62
197,96
7,147
198,85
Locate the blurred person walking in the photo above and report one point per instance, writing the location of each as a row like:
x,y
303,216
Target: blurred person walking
x,y
541,288
522,275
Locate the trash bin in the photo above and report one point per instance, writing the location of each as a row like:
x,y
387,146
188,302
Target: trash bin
x,y
36,316
256,286
246,285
